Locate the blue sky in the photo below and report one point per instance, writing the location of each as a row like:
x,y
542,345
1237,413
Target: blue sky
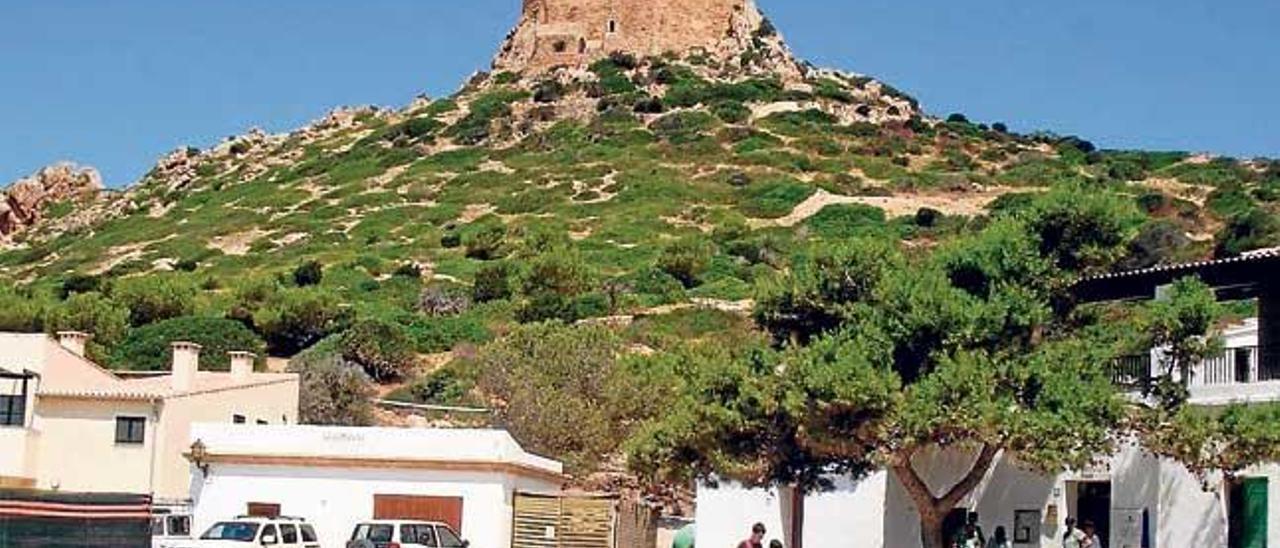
x,y
116,84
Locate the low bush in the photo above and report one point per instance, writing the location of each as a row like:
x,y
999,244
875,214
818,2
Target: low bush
x,y
772,199
148,348
382,348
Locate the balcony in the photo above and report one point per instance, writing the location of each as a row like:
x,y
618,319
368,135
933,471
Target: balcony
x,y
1237,374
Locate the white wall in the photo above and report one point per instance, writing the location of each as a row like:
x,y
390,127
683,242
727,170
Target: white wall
x,y
850,516
335,499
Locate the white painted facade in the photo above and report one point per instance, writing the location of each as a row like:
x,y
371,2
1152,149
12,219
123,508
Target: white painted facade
x,y
330,475
1176,509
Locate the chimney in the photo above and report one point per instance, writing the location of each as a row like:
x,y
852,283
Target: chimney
x,y
186,361
241,364
73,341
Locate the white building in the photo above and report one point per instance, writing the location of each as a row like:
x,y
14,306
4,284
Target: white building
x,y
1136,500
335,477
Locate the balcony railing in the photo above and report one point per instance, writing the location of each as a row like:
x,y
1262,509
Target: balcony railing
x,y
1238,365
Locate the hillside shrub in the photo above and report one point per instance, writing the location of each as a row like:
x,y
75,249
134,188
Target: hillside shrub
x,y
441,334
772,199
484,239
444,386
552,285
91,313
731,112
308,273
155,297
21,313
613,78
147,348
295,319
79,283
493,282
682,127
1254,229
840,221
563,390
440,299
382,348
332,391
1159,242
686,260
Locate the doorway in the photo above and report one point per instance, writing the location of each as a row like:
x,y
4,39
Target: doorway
x,y
1247,513
1093,505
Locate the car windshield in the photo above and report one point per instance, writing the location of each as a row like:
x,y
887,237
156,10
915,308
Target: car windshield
x,y
231,530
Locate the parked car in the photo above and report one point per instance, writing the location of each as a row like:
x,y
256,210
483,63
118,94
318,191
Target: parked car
x,y
404,534
244,531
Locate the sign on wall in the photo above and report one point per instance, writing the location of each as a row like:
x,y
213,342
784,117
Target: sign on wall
x,y
1026,528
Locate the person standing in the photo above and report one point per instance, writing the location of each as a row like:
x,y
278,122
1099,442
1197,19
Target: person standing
x,y
756,539
1091,538
1072,537
999,540
977,529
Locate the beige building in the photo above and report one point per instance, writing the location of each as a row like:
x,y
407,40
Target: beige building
x,y
66,423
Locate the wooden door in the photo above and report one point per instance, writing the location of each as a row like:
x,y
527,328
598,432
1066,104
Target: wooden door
x,y
269,510
446,510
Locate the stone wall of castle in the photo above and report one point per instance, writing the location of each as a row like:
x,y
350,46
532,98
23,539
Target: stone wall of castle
x,y
576,32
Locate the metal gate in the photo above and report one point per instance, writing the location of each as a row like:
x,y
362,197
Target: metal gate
x,y
558,521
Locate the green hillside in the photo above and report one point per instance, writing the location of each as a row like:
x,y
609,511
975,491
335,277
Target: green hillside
x,y
665,191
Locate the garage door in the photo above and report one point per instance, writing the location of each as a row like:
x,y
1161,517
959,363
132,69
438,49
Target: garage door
x,y
443,509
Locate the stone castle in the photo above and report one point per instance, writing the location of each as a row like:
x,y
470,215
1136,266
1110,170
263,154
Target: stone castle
x,y
575,32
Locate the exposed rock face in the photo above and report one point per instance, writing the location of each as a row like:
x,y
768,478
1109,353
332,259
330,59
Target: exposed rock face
x,y
555,33
24,203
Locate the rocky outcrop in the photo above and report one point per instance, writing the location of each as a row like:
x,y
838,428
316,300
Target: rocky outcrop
x,y
27,201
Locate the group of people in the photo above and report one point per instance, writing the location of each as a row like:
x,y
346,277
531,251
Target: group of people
x,y
1084,537
756,540
971,536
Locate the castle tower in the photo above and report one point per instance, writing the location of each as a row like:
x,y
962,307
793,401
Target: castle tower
x,y
576,32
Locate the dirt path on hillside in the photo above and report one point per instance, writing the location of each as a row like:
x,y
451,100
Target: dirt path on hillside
x,y
951,203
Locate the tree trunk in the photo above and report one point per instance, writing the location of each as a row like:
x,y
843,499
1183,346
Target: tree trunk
x,y
931,531
798,497
932,509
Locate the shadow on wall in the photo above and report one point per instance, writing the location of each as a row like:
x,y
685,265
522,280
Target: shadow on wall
x,y
1191,516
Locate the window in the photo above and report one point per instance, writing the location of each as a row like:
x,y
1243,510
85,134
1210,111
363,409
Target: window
x,y
448,539
232,530
288,533
308,533
419,534
179,526
613,26
261,422
238,419
131,430
373,532
13,402
270,531
559,46
157,527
